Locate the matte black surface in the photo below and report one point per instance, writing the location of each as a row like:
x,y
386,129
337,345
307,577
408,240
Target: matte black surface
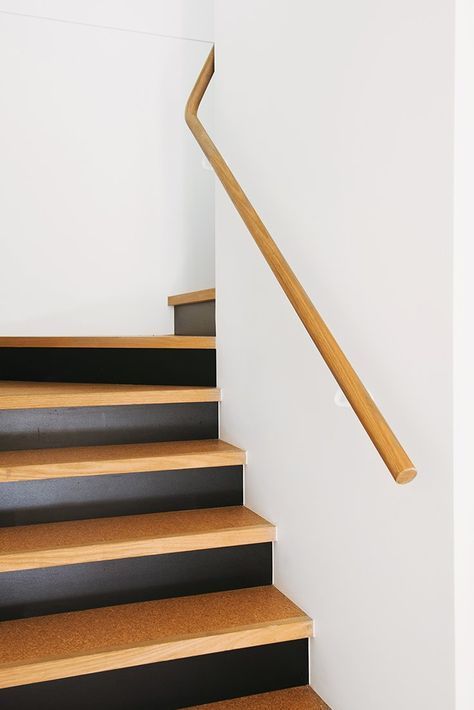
x,y
173,684
88,426
154,366
52,590
56,499
195,319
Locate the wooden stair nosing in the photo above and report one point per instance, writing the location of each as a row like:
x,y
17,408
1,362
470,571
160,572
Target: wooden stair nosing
x,y
76,643
24,465
301,698
183,299
173,342
99,539
41,395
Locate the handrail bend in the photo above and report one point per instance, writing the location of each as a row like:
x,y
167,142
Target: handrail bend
x,y
383,438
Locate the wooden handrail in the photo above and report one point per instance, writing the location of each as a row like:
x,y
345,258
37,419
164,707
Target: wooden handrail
x,y
383,438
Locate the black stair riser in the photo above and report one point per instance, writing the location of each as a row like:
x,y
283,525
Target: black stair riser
x,y
173,684
195,319
154,366
57,499
95,584
90,426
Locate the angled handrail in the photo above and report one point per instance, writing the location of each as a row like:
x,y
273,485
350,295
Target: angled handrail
x,y
383,438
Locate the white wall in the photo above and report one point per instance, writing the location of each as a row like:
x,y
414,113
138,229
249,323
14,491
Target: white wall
x,y
179,18
105,207
338,120
464,354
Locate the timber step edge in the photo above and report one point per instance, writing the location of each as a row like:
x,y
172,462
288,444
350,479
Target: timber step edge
x,y
302,698
183,299
173,342
35,464
40,395
76,643
123,537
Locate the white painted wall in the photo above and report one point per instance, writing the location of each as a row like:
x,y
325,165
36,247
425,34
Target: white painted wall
x,y
464,354
180,18
338,120
105,208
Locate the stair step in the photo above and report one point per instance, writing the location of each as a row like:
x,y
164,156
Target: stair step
x,y
28,465
77,541
76,643
188,342
38,395
303,698
182,299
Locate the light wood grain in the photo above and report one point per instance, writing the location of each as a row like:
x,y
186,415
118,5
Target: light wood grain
x,y
303,698
28,465
78,541
37,395
175,342
383,438
76,643
181,299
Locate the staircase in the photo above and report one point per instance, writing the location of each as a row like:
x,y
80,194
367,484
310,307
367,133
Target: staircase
x,y
131,574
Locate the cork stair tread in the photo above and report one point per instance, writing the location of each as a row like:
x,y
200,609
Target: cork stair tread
x,y
183,299
33,464
175,342
37,395
76,643
78,541
303,698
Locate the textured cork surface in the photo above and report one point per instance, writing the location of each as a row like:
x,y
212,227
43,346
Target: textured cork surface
x,y
30,546
73,643
27,395
125,458
292,699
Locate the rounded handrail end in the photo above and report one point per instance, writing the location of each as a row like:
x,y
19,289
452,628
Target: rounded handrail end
x,y
406,476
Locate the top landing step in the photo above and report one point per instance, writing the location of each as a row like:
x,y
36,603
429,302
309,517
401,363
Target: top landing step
x,y
182,299
172,342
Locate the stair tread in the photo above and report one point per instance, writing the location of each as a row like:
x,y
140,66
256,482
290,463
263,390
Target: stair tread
x,y
182,299
32,464
191,342
37,395
302,698
78,541
73,643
